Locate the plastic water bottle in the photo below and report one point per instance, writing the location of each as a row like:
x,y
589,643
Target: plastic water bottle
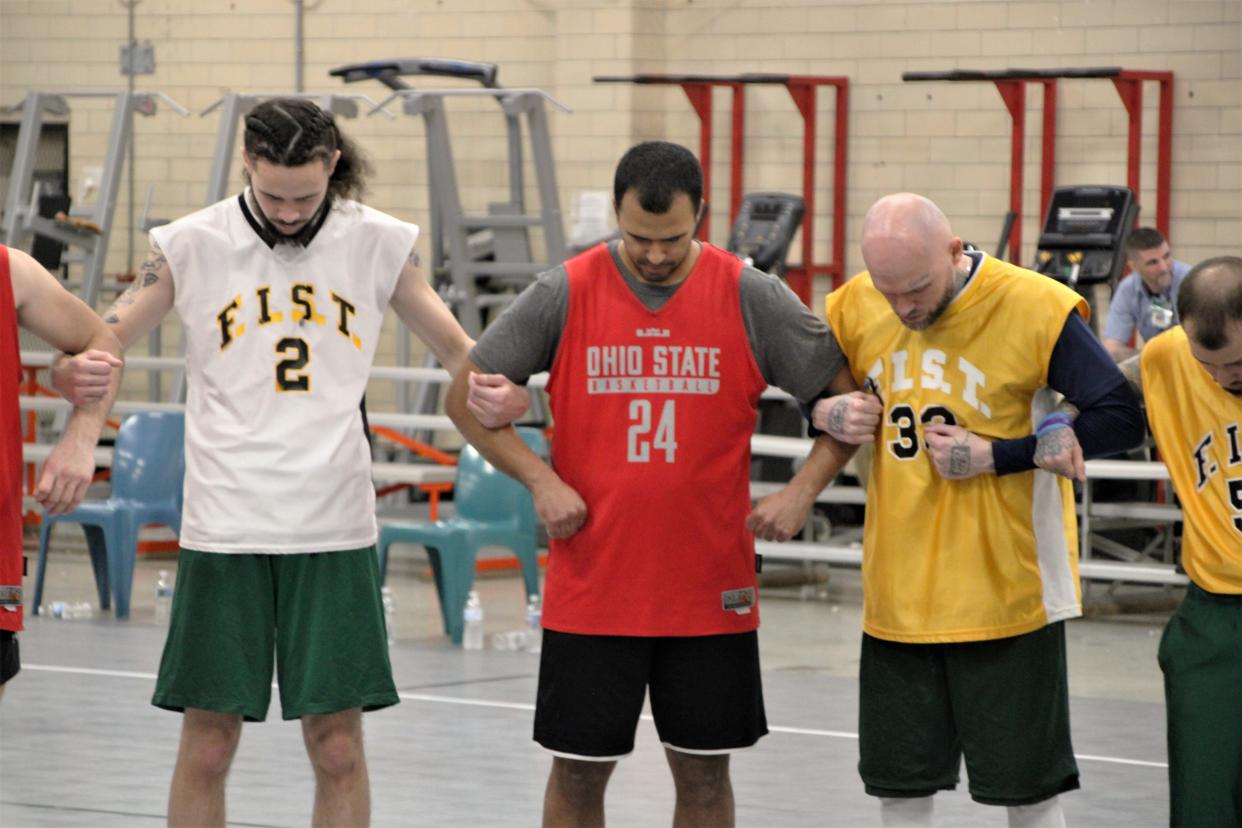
x,y
472,620
390,614
534,624
512,640
163,597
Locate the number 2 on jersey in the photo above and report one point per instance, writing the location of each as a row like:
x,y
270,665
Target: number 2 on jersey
x,y
639,438
289,376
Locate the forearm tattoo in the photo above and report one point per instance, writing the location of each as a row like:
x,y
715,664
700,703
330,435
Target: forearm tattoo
x,y
836,417
1054,443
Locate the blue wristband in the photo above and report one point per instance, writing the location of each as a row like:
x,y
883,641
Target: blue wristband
x,y
1053,422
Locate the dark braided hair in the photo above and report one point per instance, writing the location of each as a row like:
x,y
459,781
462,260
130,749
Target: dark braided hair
x,y
291,132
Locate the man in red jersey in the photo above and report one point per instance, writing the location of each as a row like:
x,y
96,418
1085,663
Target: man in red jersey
x,y
658,348
31,297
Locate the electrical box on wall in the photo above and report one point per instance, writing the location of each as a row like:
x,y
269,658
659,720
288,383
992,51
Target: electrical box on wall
x,y
138,58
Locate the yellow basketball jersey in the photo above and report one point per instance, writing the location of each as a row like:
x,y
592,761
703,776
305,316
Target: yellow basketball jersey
x,y
962,560
1196,424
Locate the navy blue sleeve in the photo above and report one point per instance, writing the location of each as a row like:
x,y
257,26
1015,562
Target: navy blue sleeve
x,y
807,408
1109,419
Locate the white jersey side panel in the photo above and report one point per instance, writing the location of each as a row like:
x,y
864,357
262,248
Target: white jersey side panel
x,y
280,344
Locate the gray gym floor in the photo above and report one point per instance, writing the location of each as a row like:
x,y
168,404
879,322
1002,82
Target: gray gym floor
x,y
80,744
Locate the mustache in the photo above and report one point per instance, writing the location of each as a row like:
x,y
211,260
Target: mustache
x,y
303,236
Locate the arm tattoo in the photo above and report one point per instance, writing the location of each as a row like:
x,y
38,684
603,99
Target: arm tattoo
x,y
1054,443
415,259
836,417
151,267
1132,371
150,275
127,298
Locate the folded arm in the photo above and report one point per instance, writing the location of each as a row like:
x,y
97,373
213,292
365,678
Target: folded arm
x,y
494,400
558,506
782,514
1109,420
66,323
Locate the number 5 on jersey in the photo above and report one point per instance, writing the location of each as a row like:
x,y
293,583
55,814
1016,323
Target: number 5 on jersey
x,y
640,440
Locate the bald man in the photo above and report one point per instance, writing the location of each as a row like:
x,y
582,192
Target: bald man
x,y
969,561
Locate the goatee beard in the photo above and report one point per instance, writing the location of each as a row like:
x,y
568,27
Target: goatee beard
x,y
304,235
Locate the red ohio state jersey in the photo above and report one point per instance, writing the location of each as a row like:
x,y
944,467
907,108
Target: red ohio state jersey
x,y
654,411
10,451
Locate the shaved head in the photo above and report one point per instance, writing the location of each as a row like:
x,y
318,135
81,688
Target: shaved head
x,y
906,218
912,256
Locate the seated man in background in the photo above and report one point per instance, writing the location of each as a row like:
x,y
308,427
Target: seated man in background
x,y
1145,300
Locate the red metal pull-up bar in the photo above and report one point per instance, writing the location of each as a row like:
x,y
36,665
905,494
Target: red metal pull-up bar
x,y
802,89
1011,84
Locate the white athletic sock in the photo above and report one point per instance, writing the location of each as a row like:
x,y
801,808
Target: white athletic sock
x,y
903,812
1046,814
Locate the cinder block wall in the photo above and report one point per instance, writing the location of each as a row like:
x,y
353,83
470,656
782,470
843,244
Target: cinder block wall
x,y
949,141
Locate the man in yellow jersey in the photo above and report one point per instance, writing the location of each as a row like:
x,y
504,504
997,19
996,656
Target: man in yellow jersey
x,y
970,552
1191,377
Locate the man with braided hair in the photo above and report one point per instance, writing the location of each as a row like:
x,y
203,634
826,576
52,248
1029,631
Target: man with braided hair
x,y
281,291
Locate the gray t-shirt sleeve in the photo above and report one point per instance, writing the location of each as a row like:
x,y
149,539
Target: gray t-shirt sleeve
x,y
524,338
1122,320
794,347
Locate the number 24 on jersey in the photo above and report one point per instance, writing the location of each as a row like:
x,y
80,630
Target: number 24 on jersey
x,y
647,434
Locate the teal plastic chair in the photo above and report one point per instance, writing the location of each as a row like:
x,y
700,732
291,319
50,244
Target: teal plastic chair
x,y
491,509
148,465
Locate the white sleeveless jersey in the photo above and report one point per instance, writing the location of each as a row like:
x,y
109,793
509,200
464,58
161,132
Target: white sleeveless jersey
x,y
279,346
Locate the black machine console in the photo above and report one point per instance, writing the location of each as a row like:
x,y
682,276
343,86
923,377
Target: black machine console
x,y
765,226
1084,233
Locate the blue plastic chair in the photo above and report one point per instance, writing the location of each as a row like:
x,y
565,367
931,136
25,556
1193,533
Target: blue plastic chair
x,y
491,509
148,465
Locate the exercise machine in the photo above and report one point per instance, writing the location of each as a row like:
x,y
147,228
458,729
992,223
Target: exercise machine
x,y
1083,239
86,229
764,229
478,260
